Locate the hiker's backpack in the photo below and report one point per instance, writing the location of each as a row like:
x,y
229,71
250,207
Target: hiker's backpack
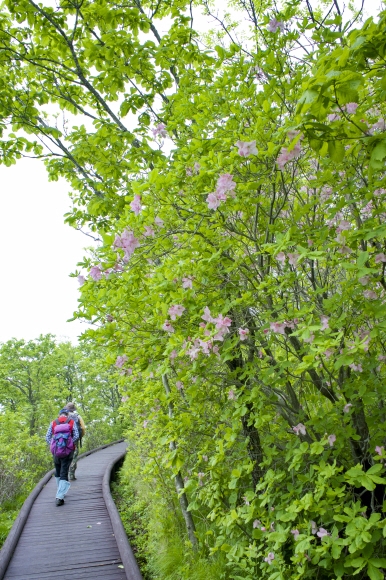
x,y
79,426
61,443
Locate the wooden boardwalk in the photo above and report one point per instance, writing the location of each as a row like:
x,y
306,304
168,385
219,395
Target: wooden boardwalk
x,y
75,541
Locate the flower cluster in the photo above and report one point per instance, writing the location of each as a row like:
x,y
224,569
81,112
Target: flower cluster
x,y
225,184
128,242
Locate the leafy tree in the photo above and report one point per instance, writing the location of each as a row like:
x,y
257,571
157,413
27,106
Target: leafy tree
x,y
239,286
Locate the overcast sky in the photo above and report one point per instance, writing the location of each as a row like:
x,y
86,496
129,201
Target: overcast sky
x,y
38,252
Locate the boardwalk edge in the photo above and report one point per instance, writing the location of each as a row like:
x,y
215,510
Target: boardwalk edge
x,y
129,562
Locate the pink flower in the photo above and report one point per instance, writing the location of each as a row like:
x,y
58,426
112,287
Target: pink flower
x,y
158,222
263,529
331,440
175,311
280,257
256,523
322,533
167,326
231,395
379,450
347,407
81,280
213,201
222,323
293,259
324,322
285,155
200,475
329,352
310,243
149,231
333,117
187,282
314,527
351,108
380,258
124,399
136,205
127,241
207,315
370,294
310,339
300,428
243,332
96,273
196,167
120,361
179,385
278,327
295,533
356,367
173,354
225,183
160,130
364,280
274,25
269,559
343,225
246,148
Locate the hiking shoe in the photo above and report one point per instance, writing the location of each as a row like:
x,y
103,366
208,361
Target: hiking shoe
x,y
73,478
59,501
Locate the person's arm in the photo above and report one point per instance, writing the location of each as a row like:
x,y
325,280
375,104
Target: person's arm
x,y
49,434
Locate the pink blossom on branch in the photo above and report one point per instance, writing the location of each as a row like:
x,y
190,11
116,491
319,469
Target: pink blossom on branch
x,y
324,322
136,205
213,201
246,148
269,559
158,222
380,258
187,282
281,257
121,360
231,395
274,25
149,232
295,533
96,273
81,280
244,333
127,241
379,450
160,130
351,108
285,155
299,428
175,311
225,184
207,315
322,533
167,326
331,440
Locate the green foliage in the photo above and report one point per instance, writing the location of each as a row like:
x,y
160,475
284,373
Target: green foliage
x,y
36,379
247,326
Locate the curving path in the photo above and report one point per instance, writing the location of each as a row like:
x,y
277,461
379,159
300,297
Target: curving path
x,y
82,540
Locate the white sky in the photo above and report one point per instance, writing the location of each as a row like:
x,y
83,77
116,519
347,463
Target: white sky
x,y
38,251
37,254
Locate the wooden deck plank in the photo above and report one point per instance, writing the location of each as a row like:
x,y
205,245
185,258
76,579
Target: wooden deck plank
x,y
90,550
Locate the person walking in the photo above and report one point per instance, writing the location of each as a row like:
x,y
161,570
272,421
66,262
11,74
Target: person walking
x,y
82,430
62,435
